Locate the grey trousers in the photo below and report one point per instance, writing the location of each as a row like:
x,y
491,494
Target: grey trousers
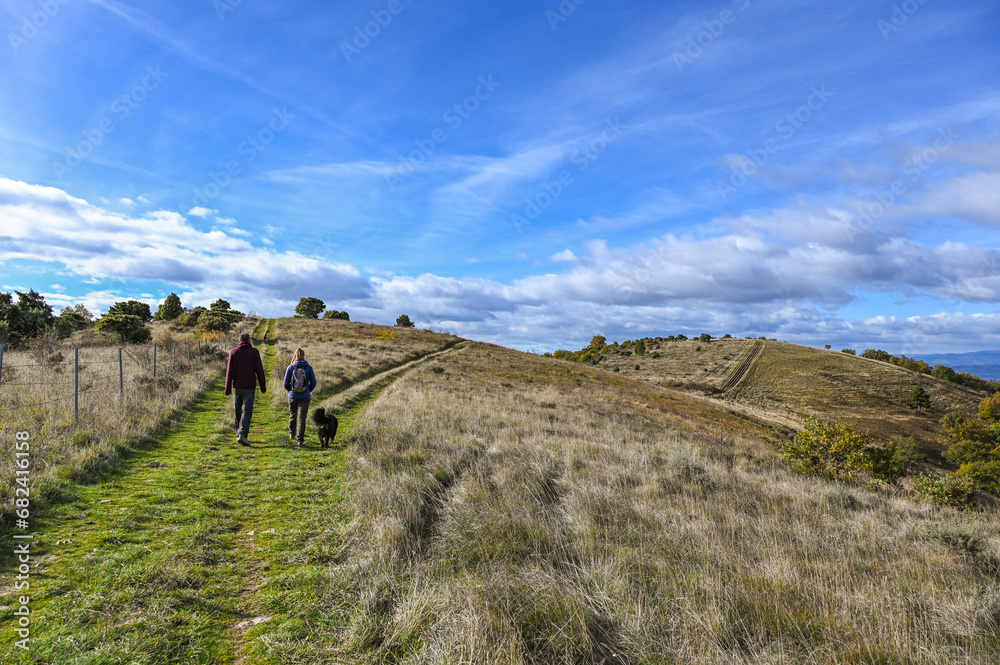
x,y
298,409
243,401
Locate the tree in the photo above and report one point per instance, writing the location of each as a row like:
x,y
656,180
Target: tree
x,y
334,314
918,399
220,317
70,320
20,322
193,316
598,342
640,348
310,308
124,328
403,321
976,447
170,309
133,308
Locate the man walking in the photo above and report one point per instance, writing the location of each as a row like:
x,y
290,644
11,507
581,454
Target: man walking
x,y
244,371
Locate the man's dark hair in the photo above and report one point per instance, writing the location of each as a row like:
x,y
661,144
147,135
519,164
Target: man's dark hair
x,y
245,337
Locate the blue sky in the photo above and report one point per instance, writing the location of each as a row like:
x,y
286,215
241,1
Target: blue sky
x,y
530,174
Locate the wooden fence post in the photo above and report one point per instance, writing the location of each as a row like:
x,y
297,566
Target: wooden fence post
x,y
76,384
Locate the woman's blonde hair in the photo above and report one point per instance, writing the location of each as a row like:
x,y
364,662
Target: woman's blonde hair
x,y
298,355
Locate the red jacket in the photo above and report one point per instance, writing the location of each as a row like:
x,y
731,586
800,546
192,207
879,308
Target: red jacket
x,y
245,370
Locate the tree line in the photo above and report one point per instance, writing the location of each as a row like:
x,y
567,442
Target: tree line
x,y
27,316
942,372
125,322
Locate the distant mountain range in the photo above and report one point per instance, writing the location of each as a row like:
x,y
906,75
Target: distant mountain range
x,y
984,364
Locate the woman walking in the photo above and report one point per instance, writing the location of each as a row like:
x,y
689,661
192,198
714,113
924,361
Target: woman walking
x,y
300,381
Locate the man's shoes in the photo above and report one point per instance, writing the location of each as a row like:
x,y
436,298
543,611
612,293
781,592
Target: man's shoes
x,y
300,442
243,441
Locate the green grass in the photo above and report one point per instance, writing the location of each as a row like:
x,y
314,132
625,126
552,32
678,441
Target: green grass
x,y
161,564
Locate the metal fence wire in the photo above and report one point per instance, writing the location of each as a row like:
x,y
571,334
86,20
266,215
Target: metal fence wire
x,y
36,379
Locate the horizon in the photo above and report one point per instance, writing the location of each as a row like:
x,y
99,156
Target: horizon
x,y
528,176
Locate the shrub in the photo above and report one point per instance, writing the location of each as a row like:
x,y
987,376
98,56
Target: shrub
x,y
133,308
705,337
984,473
908,453
403,321
838,452
951,490
850,352
220,317
124,328
334,314
640,348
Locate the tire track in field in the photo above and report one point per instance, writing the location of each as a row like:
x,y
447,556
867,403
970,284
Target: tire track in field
x,y
751,356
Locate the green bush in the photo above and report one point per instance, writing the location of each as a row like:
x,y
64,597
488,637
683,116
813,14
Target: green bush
x,y
908,453
918,399
984,473
838,452
124,328
951,490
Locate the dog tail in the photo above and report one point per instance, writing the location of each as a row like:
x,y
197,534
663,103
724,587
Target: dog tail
x,y
319,416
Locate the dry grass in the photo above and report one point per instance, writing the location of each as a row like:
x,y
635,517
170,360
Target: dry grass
x,y
515,509
343,353
108,421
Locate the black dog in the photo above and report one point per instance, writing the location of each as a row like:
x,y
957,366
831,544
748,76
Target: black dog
x,y
327,426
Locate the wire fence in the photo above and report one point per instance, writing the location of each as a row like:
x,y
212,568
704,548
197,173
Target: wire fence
x,y
65,379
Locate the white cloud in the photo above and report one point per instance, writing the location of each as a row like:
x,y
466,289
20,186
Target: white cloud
x,y
202,212
782,273
46,224
975,198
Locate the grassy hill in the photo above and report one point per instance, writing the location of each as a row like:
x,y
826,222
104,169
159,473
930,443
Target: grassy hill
x,y
784,383
489,506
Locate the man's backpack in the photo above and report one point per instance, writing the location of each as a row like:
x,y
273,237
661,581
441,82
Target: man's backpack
x,y
300,380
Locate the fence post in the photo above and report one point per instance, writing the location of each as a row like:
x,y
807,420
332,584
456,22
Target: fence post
x,y
76,384
154,361
1,363
189,353
121,374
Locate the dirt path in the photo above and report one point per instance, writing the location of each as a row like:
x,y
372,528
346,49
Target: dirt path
x,y
197,550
